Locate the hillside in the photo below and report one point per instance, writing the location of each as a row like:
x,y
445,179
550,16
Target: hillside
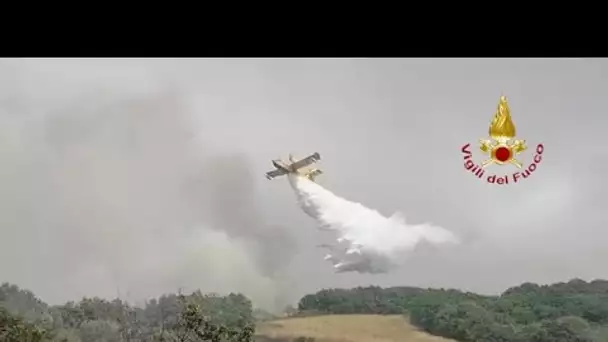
x,y
344,328
573,311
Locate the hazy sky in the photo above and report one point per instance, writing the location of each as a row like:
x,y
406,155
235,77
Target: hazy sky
x,y
140,177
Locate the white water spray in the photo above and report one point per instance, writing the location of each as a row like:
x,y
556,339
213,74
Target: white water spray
x,y
367,242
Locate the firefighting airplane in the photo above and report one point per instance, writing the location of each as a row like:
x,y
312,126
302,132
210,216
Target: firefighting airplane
x,y
283,168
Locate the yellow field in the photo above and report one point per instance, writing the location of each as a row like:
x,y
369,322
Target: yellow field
x,y
345,328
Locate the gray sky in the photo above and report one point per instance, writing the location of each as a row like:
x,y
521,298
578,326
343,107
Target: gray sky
x,y
145,176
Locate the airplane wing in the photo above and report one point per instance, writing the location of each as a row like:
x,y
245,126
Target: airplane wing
x,y
306,161
275,173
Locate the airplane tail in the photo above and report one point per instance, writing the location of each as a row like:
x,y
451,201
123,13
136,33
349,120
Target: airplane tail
x,y
311,174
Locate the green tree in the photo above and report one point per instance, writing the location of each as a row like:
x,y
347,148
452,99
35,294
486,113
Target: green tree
x,y
14,329
195,326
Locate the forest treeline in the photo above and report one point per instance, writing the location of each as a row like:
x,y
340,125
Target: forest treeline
x,y
576,311
172,317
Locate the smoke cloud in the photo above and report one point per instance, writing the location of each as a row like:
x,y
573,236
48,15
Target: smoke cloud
x,y
109,188
368,242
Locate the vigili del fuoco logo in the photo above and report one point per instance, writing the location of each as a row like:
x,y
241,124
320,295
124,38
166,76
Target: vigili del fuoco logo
x,y
502,149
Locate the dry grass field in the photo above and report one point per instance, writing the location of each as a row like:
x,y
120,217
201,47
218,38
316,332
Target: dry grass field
x,y
344,328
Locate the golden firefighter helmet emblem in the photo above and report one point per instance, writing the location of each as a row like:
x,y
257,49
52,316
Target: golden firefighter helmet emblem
x,y
502,147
